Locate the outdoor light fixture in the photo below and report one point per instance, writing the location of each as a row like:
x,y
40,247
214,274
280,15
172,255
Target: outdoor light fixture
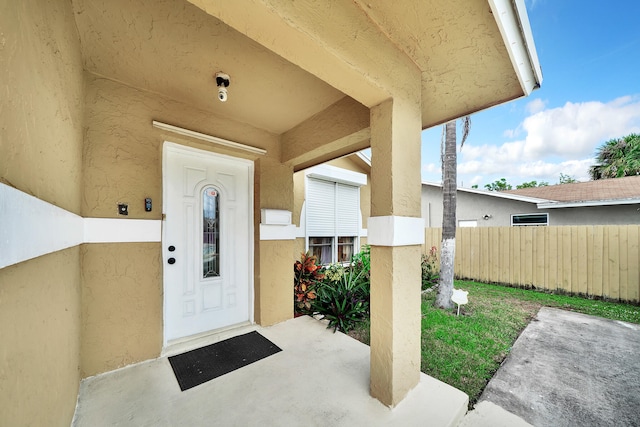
x,y
486,217
222,81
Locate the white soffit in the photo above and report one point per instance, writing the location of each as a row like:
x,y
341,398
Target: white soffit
x,y
513,22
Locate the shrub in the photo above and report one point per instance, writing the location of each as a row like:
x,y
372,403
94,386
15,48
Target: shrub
x,y
430,271
344,302
307,276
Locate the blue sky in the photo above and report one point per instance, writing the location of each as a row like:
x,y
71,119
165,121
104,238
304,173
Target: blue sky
x,y
590,56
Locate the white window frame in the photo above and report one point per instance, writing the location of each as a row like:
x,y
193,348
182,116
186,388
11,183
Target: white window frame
x,y
545,214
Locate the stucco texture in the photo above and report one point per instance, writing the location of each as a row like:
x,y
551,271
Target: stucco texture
x,y
41,101
274,296
123,152
41,112
40,336
121,305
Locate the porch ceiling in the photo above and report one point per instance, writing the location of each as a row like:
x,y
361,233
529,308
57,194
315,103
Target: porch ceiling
x,y
172,48
293,63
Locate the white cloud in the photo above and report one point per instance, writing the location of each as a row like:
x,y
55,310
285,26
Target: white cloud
x,y
576,129
535,106
551,141
431,168
511,133
569,132
516,173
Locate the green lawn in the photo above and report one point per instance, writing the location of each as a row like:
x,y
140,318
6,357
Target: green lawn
x,y
465,351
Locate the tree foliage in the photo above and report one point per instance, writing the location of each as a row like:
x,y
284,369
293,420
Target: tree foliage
x,y
499,185
532,184
617,158
566,179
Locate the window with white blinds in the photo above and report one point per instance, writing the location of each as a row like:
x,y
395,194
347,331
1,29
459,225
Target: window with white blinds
x,y
332,210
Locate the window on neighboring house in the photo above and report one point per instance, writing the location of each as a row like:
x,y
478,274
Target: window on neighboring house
x,y
332,220
530,219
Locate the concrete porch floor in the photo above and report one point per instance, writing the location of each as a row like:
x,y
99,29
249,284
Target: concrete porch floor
x,y
319,379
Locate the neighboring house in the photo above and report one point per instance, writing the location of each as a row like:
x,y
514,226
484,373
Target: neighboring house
x,y
601,202
138,211
331,209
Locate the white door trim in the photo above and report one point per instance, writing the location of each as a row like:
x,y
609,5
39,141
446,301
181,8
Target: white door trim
x,y
167,145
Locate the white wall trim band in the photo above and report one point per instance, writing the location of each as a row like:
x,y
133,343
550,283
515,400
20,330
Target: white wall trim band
x,y
395,231
30,227
277,232
115,230
207,138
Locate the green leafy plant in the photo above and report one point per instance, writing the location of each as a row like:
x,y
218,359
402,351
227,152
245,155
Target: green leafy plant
x,y
344,302
361,262
430,271
307,276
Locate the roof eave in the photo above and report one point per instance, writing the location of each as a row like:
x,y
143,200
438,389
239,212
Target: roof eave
x,y
513,23
588,203
496,194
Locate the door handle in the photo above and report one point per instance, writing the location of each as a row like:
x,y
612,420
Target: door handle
x,y
171,260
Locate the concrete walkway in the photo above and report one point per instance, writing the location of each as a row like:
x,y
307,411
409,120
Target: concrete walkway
x,y
319,379
570,369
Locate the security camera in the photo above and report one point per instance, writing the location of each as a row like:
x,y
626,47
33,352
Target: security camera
x,y
222,94
222,81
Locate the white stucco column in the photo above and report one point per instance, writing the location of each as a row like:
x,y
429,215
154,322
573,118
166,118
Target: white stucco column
x,y
396,233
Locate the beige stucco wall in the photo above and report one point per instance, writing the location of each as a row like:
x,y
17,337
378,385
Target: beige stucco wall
x,y
41,101
40,336
121,305
41,114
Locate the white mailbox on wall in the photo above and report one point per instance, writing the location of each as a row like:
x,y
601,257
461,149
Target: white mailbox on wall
x,y
275,224
275,217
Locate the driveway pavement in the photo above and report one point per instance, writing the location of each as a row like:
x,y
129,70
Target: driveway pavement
x,y
570,369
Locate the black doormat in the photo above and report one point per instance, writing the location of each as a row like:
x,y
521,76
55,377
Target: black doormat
x,y
204,364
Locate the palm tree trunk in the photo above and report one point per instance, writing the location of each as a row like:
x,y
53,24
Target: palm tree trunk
x,y
449,188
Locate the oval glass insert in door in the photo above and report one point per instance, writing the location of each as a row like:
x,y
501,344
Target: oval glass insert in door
x,y
210,233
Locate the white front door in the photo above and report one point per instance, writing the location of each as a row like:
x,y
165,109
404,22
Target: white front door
x,y
207,241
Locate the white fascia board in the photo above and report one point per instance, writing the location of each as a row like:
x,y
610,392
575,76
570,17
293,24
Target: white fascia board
x,y
497,194
513,22
336,174
588,203
364,158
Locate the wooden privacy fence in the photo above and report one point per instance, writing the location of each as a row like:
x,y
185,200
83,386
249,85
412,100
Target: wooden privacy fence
x,y
601,261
